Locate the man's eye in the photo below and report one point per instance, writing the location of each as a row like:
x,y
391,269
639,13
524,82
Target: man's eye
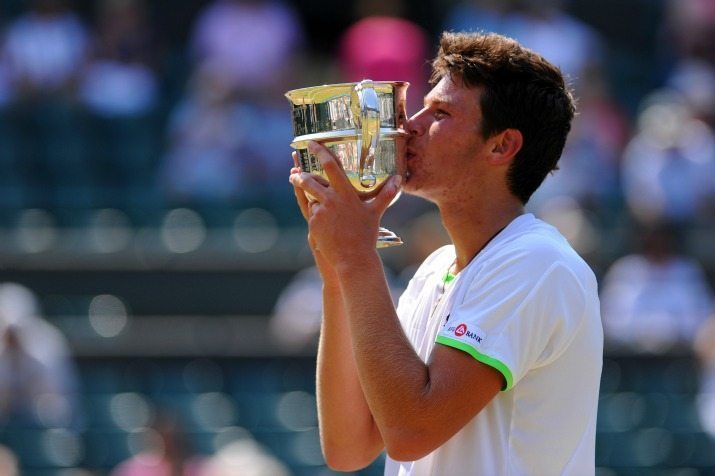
x,y
439,114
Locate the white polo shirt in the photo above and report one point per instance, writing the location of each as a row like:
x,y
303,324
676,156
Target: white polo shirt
x,y
528,306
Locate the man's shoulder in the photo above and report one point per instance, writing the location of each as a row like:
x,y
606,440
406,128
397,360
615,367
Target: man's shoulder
x,y
534,248
532,238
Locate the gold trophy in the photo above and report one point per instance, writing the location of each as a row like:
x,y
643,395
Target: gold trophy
x,y
362,124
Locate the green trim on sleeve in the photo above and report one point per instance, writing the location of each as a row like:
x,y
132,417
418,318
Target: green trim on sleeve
x,y
485,359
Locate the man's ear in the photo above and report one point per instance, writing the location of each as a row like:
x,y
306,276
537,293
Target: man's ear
x,y
505,145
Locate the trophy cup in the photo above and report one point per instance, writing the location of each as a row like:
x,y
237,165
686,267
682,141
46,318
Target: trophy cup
x,y
362,124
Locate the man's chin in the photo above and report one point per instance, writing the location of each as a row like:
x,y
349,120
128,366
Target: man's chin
x,y
406,182
409,187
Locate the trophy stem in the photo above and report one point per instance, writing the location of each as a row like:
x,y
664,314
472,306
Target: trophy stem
x,y
386,238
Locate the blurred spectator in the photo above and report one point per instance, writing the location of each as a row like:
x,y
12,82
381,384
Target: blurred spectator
x,y
296,318
668,167
689,41
46,48
270,133
120,90
120,79
655,300
166,452
228,139
254,43
7,88
690,26
298,312
383,46
590,164
38,379
244,457
208,137
8,462
694,79
704,348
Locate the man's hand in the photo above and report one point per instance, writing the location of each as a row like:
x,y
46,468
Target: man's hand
x,y
341,226
300,196
326,270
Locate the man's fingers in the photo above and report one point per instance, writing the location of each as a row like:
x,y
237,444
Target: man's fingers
x,y
310,185
335,173
300,196
303,202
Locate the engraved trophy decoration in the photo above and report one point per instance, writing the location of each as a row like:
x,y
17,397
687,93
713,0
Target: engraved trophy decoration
x,y
362,125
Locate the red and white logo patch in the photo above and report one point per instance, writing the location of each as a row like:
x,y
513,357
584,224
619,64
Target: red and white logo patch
x,y
460,330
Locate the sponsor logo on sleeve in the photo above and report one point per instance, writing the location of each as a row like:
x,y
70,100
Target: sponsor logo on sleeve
x,y
463,331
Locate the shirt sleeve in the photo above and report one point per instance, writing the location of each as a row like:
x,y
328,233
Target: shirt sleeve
x,y
516,316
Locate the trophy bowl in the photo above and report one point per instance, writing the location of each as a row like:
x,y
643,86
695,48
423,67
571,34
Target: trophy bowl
x,y
362,124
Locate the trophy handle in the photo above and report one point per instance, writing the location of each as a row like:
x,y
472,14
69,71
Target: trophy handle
x,y
367,120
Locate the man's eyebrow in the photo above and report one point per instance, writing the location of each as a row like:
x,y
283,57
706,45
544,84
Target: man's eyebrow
x,y
436,101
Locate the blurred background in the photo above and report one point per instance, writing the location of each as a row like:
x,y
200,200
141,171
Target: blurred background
x,y
158,308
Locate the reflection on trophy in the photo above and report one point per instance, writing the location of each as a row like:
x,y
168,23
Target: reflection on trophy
x,y
362,124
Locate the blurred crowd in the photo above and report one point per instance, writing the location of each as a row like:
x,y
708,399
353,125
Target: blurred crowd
x,y
97,112
44,411
89,121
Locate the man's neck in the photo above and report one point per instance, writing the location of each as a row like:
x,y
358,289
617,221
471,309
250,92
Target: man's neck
x,y
471,230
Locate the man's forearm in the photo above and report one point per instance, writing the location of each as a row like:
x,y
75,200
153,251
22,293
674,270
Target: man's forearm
x,y
393,377
349,436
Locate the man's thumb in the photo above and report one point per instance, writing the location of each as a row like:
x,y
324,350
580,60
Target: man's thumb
x,y
388,192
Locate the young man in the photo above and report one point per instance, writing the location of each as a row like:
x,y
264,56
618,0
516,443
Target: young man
x,y
491,363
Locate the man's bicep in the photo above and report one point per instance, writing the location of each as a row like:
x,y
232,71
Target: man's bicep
x,y
461,386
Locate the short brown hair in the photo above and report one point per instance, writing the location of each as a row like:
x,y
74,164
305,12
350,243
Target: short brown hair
x,y
521,91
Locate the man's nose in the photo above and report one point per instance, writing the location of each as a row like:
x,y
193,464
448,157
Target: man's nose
x,y
415,124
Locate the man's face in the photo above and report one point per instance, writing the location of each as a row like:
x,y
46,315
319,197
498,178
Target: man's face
x,y
445,141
